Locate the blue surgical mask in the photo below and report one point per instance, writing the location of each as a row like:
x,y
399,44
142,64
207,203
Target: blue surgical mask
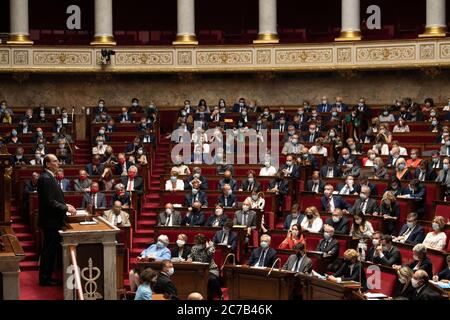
x,y
160,244
264,244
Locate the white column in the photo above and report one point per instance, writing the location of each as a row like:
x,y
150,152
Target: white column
x,y
103,23
267,32
436,20
350,21
186,23
19,32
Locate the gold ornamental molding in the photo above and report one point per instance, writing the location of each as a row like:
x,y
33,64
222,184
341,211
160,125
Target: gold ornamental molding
x,y
335,56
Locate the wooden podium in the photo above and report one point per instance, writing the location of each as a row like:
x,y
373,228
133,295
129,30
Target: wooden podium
x,y
11,254
245,283
188,277
94,249
319,289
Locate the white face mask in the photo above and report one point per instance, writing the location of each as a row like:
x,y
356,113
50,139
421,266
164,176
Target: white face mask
x,y
219,212
180,243
168,211
414,283
335,219
170,271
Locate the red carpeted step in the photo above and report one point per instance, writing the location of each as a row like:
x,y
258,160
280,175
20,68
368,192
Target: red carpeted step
x,y
29,265
28,246
31,256
21,228
24,236
144,224
139,233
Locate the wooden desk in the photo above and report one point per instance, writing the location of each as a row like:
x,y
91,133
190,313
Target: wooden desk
x,y
318,289
11,254
245,283
188,277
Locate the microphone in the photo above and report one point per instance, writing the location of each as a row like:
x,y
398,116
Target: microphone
x,y
226,258
360,268
279,266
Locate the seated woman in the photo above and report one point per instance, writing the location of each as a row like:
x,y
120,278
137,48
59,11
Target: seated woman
x,y
106,180
147,280
312,221
362,230
318,148
350,270
180,167
368,161
256,200
444,274
250,184
203,251
436,239
403,287
401,126
293,237
390,211
401,171
174,184
268,170
182,250
379,171
381,147
395,186
414,160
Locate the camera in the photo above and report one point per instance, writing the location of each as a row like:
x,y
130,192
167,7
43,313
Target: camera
x,y
106,56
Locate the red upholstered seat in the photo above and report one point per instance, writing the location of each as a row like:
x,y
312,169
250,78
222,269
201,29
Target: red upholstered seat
x,y
385,284
306,201
442,210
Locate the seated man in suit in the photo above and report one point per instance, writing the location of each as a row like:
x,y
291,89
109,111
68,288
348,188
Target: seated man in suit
x,y
121,168
280,187
423,173
163,284
83,183
295,217
329,246
292,146
95,168
350,270
376,241
305,158
351,169
299,262
250,184
349,187
182,250
313,134
196,195
121,195
63,183
422,289
226,236
417,191
264,255
365,204
194,216
385,253
444,274
411,232
94,198
338,222
218,219
117,216
345,157
196,175
133,182
227,199
330,170
315,184
443,176
227,179
245,217
330,202
290,169
169,217
364,181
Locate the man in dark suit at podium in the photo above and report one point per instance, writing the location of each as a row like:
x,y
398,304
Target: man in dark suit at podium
x,y
52,212
264,255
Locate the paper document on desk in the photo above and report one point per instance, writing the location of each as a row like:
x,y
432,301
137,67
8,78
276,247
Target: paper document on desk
x,y
375,295
442,285
79,213
318,275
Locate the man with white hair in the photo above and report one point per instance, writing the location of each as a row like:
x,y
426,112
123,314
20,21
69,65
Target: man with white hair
x,y
264,255
157,251
133,182
364,204
422,290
